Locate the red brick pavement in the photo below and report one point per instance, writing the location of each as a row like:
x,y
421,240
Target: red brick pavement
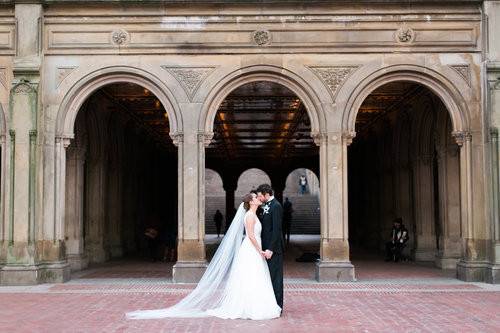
x,y
388,297
305,311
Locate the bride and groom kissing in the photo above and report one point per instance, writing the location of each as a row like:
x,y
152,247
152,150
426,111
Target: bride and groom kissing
x,y
244,279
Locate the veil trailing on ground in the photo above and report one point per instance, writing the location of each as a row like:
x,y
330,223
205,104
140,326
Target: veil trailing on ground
x,y
210,290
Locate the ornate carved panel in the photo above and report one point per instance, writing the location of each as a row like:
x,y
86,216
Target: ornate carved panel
x,y
463,71
190,78
62,73
333,76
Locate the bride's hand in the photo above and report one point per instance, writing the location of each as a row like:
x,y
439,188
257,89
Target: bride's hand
x,y
263,254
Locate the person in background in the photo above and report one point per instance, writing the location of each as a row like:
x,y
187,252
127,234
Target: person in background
x,y
399,237
303,184
218,221
287,219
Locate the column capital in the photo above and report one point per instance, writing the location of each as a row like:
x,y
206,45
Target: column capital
x,y
65,139
461,137
177,138
347,137
319,138
205,138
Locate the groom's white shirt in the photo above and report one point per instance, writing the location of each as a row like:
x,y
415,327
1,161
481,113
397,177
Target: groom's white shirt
x,y
271,198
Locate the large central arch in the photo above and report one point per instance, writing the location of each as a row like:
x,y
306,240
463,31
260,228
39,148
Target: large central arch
x,y
266,73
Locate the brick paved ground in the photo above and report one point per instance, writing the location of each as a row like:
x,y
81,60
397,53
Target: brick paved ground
x,y
387,297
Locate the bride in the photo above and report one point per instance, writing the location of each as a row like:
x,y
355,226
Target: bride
x,y
236,283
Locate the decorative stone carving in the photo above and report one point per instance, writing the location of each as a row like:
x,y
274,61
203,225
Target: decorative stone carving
x,y
205,138
22,88
3,78
319,138
120,37
347,137
333,77
62,73
463,71
405,35
261,37
190,78
177,138
461,136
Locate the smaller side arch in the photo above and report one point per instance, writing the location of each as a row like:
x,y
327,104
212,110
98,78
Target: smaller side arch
x,y
434,81
91,82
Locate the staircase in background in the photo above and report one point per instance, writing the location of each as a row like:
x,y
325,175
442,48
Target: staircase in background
x,y
305,218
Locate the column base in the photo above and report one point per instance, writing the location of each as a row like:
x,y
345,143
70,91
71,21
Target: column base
x,y
328,271
472,271
188,271
77,262
55,272
493,274
446,262
19,275
425,255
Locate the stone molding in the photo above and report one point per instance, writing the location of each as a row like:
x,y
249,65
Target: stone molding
x,y
3,77
62,73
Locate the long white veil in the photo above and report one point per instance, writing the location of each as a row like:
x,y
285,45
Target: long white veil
x,y
210,290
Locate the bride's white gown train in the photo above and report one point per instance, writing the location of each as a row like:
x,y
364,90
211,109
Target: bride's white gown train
x,y
236,284
249,292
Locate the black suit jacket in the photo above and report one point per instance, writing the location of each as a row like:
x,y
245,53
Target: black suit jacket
x,y
271,235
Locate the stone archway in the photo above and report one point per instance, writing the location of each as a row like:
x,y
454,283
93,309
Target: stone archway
x,y
71,106
456,108
315,112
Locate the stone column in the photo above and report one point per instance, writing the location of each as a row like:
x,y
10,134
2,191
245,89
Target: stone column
x,y
230,184
278,185
450,241
493,274
424,209
191,260
75,176
335,263
470,267
27,248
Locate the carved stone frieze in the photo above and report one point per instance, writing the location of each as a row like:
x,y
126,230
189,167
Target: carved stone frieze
x,y
333,76
463,71
190,78
23,88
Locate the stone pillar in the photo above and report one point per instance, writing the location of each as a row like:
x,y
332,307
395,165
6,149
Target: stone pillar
x,y
424,209
230,184
470,267
450,241
27,248
75,179
335,262
278,184
493,274
191,260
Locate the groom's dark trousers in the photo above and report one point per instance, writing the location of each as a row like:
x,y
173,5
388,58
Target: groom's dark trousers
x,y
272,239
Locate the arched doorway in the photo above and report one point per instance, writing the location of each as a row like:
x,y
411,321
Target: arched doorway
x,y
121,179
215,200
263,126
404,163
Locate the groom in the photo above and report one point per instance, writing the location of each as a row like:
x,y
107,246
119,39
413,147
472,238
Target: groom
x,y
272,239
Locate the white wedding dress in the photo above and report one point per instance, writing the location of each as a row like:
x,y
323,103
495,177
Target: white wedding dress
x,y
249,292
236,283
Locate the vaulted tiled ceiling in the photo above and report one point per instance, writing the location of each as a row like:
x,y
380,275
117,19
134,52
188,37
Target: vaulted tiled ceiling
x,y
261,120
142,106
389,97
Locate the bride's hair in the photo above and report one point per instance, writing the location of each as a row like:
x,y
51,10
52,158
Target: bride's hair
x,y
246,200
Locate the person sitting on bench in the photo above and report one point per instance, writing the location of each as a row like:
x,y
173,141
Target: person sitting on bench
x,y
399,237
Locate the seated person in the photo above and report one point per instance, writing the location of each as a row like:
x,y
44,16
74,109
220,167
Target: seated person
x,y
399,237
